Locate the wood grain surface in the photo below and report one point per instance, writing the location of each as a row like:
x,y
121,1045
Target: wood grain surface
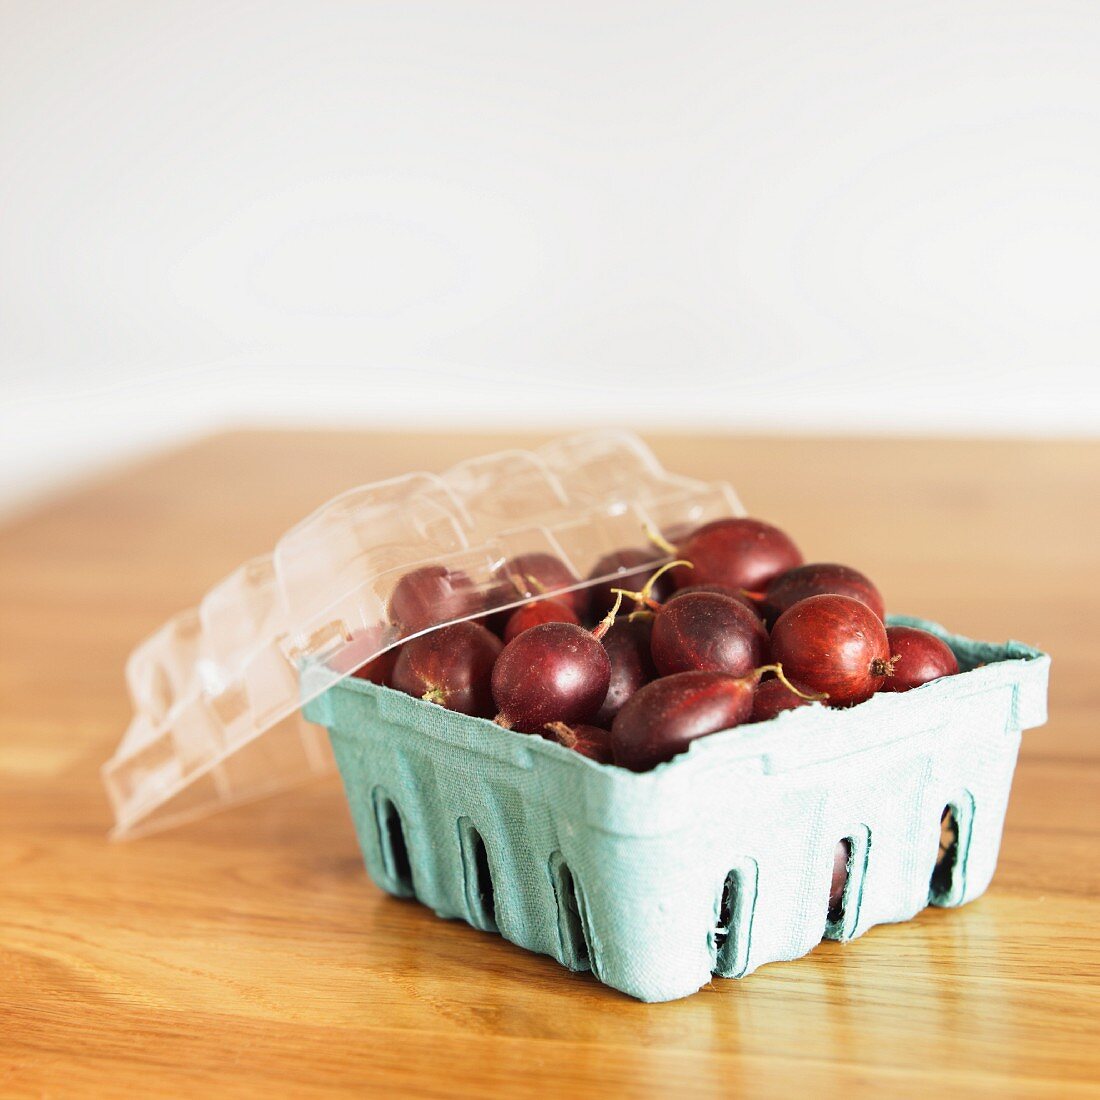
x,y
248,954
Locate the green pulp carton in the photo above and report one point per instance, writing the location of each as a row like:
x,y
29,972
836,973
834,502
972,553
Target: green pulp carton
x,y
712,864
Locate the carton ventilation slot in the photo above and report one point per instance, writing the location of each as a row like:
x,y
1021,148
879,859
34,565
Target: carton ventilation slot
x,y
574,940
393,845
477,872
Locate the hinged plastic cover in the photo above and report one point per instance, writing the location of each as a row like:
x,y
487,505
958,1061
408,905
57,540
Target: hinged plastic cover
x,y
217,690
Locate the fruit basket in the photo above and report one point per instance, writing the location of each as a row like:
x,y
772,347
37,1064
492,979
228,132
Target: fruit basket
x,y
713,863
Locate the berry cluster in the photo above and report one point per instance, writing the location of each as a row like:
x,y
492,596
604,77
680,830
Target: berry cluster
x,y
734,629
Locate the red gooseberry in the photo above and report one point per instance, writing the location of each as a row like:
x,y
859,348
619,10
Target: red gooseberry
x,y
819,579
555,672
919,656
451,666
708,632
737,552
833,644
533,614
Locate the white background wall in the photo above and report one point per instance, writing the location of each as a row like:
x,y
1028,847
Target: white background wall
x,y
864,216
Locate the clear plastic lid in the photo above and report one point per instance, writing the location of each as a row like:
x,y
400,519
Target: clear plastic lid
x,y
216,691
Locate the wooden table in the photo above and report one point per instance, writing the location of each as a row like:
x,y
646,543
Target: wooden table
x,y
249,953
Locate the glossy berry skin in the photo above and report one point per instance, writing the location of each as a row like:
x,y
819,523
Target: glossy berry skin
x,y
739,553
534,614
707,632
721,590
541,574
919,656
451,666
591,741
627,645
833,644
819,579
665,716
841,855
772,697
556,672
632,568
432,594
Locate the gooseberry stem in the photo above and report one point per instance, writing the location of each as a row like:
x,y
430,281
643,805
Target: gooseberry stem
x,y
608,621
658,540
563,733
644,597
533,584
782,678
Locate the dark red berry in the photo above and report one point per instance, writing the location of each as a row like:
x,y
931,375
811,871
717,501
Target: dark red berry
x,y
819,579
380,670
772,697
590,741
833,644
431,595
719,589
707,632
534,614
918,658
627,645
556,672
451,666
542,574
739,553
665,716
631,569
